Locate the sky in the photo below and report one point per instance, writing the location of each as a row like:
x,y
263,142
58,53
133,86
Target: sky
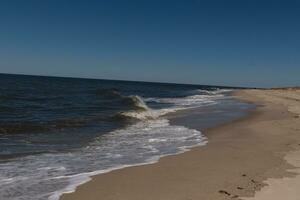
x,y
252,43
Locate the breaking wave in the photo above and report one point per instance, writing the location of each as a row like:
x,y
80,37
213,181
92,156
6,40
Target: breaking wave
x,y
143,112
150,136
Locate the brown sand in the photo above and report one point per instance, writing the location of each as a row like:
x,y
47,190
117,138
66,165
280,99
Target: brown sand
x,y
238,158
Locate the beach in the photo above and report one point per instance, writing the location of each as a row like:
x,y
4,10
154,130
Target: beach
x,y
249,157
150,100
65,133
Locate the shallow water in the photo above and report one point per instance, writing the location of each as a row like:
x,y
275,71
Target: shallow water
x,y
56,132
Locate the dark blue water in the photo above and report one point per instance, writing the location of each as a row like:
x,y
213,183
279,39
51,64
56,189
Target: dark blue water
x,y
56,132
46,114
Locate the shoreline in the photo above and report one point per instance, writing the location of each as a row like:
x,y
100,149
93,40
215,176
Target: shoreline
x,y
197,173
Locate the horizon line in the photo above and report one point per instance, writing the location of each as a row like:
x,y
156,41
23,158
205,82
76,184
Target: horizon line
x,y
140,81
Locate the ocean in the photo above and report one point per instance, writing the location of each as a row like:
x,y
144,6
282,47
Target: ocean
x,y
57,132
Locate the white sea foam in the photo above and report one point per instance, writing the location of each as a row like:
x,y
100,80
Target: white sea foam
x,y
43,176
192,101
47,176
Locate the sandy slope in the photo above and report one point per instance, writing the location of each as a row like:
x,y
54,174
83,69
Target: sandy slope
x,y
238,158
287,187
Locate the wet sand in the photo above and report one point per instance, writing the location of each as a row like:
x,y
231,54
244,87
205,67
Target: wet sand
x,y
239,159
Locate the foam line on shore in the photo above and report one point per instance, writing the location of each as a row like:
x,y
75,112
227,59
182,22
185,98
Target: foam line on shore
x,y
79,179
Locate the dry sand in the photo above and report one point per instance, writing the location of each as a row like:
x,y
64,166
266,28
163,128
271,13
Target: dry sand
x,y
241,158
287,187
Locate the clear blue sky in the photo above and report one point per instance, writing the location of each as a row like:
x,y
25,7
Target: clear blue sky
x,y
225,42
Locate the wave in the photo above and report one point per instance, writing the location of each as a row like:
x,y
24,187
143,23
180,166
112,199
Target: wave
x,y
143,142
135,107
214,91
136,101
143,112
